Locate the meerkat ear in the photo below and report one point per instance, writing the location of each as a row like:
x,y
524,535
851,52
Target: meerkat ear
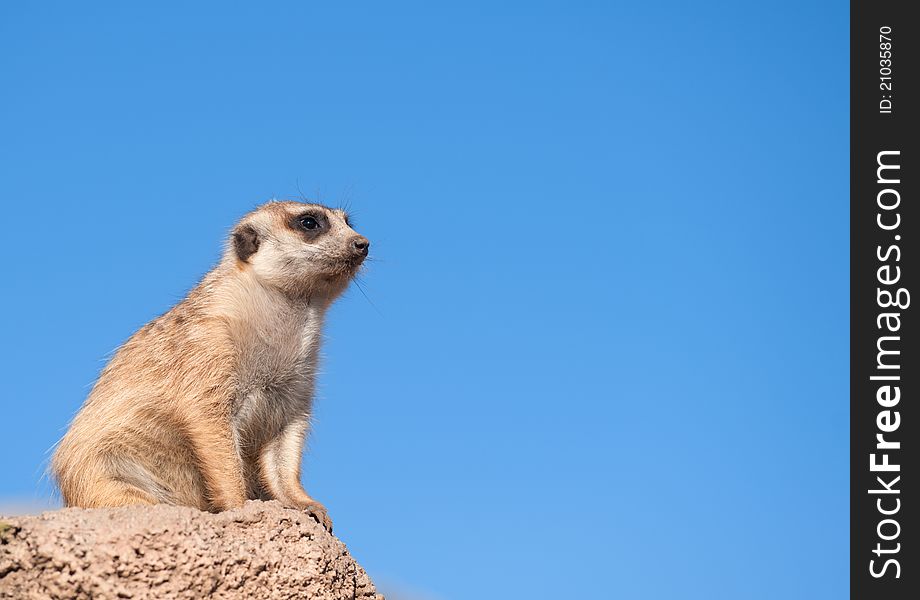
x,y
245,242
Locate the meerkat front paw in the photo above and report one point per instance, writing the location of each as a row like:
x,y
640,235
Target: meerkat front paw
x,y
319,513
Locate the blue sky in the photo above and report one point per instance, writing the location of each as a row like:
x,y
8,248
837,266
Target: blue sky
x,y
607,354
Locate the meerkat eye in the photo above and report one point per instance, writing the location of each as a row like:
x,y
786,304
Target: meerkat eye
x,y
308,222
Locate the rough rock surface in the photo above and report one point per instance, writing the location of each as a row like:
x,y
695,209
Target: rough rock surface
x,y
261,550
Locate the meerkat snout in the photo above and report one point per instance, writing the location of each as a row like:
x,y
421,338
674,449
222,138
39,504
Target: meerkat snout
x,y
361,246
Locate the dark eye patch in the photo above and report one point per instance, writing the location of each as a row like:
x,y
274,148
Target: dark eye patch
x,y
309,224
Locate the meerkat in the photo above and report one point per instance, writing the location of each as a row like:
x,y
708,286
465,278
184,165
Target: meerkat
x,y
208,405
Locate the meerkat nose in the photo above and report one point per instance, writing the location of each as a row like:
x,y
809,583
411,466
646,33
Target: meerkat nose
x,y
361,245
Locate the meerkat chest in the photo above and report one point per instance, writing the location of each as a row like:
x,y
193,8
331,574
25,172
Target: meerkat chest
x,y
277,371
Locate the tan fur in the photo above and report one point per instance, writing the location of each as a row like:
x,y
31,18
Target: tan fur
x,y
208,405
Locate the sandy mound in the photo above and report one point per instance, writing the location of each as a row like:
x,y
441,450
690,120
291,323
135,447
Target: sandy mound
x,y
258,551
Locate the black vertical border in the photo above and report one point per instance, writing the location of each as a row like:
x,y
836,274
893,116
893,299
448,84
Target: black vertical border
x,y
872,132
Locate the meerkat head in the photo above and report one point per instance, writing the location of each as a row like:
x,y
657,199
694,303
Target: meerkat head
x,y
303,249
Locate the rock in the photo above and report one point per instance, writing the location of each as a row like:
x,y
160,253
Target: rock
x,y
261,550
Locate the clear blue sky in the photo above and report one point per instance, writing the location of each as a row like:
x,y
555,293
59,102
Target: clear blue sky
x,y
608,357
